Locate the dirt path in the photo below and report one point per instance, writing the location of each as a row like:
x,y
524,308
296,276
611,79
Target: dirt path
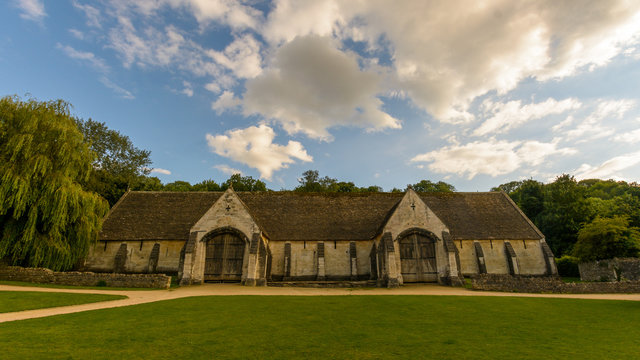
x,y
145,296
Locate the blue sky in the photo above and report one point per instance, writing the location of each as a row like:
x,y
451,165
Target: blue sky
x,y
375,92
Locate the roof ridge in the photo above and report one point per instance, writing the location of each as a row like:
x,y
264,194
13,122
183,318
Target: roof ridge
x,y
524,216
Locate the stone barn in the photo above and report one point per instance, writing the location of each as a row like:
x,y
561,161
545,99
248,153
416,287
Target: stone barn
x,y
386,239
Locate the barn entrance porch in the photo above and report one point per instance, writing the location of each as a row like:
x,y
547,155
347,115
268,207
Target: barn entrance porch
x,y
418,258
224,258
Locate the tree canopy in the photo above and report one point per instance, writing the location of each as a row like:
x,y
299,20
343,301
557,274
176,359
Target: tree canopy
x,y
118,164
606,238
566,208
46,217
312,182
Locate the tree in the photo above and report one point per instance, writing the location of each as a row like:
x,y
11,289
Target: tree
x,y
312,182
565,210
244,183
428,186
147,183
46,217
509,187
206,185
118,163
178,186
529,196
606,238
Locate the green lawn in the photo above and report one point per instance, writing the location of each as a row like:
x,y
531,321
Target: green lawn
x,y
28,300
364,327
57,286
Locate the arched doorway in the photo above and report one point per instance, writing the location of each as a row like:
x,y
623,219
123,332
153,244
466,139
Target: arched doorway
x,y
418,256
224,257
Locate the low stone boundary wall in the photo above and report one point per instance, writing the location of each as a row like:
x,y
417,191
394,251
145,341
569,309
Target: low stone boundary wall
x,y
610,270
549,284
46,276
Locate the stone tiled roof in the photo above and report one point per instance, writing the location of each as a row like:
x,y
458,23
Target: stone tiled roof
x,y
321,216
477,216
157,215
305,216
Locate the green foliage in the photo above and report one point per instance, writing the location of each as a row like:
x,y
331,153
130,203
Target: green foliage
x,y
529,195
206,185
11,301
147,183
565,209
560,209
244,183
178,186
312,182
46,218
509,187
115,153
335,327
568,266
606,238
118,164
428,186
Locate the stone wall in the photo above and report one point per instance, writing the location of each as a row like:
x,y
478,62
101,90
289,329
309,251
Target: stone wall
x,y
611,270
101,257
549,284
46,276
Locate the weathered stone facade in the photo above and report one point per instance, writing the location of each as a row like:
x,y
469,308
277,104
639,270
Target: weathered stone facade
x,y
257,238
47,276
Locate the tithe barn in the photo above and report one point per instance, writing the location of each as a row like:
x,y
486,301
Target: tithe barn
x,y
386,239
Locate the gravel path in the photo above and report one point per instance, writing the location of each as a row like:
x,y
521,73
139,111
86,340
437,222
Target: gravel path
x,y
145,296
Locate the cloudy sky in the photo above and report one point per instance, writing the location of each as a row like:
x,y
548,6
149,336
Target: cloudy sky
x,y
376,92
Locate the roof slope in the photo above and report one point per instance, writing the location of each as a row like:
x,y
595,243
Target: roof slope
x,y
320,216
314,216
157,215
477,216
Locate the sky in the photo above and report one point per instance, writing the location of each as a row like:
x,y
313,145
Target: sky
x,y
387,93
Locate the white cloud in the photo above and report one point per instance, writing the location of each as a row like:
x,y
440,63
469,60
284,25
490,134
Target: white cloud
x,y
31,9
242,57
489,157
629,137
160,171
610,169
592,126
290,19
91,13
445,54
187,88
226,101
254,147
124,93
99,65
77,34
213,87
88,57
226,169
229,12
505,116
312,86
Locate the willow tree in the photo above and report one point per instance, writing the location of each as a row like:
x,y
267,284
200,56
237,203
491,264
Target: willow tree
x,y
46,218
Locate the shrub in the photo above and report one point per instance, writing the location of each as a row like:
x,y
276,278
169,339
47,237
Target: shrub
x,y
568,266
101,283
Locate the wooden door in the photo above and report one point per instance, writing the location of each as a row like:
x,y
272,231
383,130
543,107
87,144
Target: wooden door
x,y
418,258
224,257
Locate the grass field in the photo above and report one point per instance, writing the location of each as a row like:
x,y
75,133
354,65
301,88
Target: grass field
x,y
340,327
56,286
28,300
